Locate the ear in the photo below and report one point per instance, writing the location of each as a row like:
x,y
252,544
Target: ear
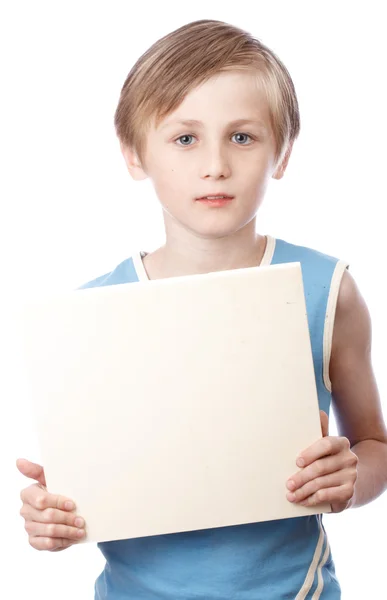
x,y
133,163
280,170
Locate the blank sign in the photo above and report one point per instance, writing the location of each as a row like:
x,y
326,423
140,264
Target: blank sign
x,y
177,404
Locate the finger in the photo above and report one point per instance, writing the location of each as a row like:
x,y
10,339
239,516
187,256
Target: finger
x,y
51,515
65,544
31,470
323,447
52,544
322,466
324,419
327,481
53,530
338,494
41,499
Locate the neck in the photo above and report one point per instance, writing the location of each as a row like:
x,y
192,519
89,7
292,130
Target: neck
x,y
184,254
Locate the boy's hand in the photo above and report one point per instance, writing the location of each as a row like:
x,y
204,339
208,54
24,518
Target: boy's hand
x,y
328,474
49,520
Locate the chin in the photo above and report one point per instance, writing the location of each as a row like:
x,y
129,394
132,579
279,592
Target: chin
x,y
215,231
215,224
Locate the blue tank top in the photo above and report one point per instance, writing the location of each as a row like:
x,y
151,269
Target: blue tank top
x,y
272,560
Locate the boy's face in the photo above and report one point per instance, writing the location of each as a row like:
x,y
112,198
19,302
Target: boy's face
x,y
215,156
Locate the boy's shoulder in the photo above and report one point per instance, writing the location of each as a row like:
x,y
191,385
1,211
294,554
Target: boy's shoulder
x,y
291,250
124,272
320,270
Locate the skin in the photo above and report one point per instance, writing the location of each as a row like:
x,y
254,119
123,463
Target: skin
x,y
349,470
184,163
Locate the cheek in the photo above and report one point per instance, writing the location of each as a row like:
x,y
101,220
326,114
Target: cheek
x,y
258,174
169,186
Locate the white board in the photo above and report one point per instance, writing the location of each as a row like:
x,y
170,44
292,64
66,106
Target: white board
x,y
177,404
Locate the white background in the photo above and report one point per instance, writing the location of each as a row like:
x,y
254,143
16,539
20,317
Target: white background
x,y
70,211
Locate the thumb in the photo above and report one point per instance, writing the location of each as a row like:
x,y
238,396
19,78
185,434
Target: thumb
x,y
31,470
324,419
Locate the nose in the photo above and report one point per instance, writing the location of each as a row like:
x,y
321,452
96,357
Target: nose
x,y
215,163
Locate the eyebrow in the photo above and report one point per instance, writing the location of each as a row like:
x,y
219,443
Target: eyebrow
x,y
194,122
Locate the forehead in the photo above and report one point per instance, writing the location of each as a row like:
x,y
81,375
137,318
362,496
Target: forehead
x,y
225,97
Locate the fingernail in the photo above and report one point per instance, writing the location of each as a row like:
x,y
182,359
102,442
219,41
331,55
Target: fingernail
x,y
290,485
81,533
300,462
79,522
69,505
291,497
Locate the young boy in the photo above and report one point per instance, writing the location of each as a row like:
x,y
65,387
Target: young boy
x,y
211,115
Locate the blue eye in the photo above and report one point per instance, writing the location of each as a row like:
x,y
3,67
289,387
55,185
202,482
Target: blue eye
x,y
242,134
182,137
187,136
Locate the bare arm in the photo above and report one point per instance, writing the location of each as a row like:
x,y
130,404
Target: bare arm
x,y
356,401
350,469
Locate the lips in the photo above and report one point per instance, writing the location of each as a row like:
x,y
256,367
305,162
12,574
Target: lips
x,y
216,197
215,202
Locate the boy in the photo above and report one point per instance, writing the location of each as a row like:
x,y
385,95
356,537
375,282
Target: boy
x,y
210,115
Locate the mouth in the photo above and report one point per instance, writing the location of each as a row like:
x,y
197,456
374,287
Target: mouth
x,y
215,199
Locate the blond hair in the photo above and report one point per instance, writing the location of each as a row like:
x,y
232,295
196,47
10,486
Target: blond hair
x,y
180,61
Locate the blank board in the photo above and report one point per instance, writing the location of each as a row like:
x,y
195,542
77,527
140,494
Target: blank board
x,y
177,404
